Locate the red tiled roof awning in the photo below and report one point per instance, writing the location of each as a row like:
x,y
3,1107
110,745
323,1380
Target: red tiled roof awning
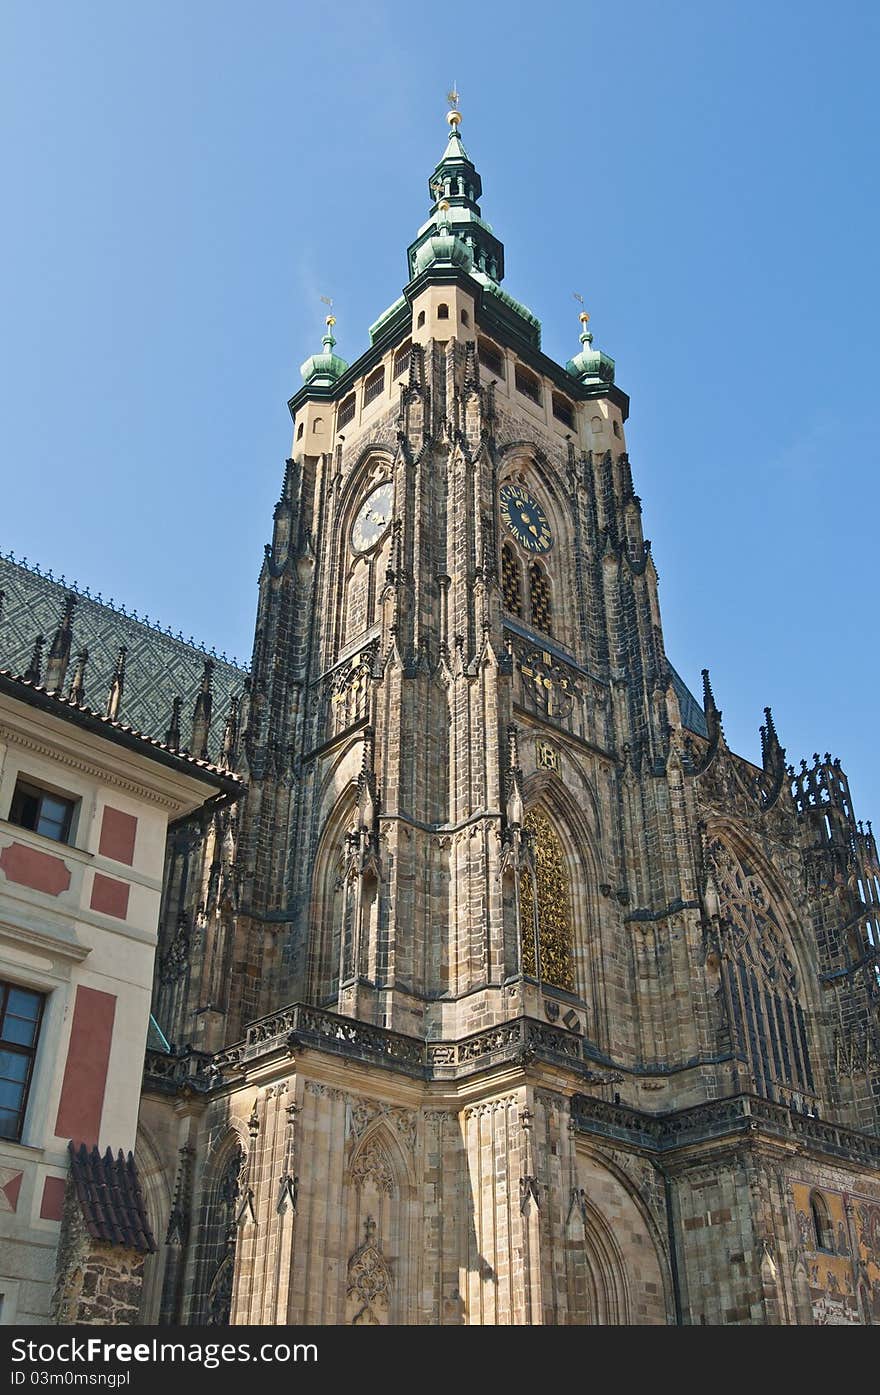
x,y
109,1194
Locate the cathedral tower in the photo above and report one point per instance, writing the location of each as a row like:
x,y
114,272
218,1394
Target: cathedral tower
x,y
515,996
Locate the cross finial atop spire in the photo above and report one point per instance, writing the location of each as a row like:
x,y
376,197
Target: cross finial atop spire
x,y
453,116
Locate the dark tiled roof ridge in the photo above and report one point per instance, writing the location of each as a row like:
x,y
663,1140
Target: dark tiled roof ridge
x,y
119,608
109,1192
115,725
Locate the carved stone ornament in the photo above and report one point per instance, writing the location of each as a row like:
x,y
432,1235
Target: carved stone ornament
x,y
372,1165
369,1282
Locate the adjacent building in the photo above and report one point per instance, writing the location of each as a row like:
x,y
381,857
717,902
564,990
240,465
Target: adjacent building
x,y
86,803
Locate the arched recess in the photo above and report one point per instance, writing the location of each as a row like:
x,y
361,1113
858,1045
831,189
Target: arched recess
x,y
616,1267
511,580
359,576
221,1194
379,1194
525,463
766,971
333,901
540,598
570,894
598,1294
156,1189
546,905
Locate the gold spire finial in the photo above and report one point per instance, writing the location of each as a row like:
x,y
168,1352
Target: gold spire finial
x,y
331,318
583,316
453,116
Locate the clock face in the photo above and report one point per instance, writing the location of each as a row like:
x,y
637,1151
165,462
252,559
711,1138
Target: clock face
x,y
525,518
373,518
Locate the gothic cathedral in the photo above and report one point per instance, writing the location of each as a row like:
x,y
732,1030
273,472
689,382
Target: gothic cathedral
x,y
507,993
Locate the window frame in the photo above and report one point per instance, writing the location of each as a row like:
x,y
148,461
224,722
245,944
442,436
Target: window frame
x,y
491,357
823,1226
346,411
563,410
27,786
374,385
16,1048
528,384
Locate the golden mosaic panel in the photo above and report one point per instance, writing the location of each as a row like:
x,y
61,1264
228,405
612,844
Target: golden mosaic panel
x,y
844,1273
550,910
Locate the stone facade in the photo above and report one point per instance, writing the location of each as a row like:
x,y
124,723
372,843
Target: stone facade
x,y
97,1282
509,994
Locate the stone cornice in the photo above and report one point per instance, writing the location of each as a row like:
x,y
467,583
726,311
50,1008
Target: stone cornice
x,y
91,769
734,1118
516,1043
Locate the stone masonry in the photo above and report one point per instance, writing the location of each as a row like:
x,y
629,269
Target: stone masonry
x,y
509,994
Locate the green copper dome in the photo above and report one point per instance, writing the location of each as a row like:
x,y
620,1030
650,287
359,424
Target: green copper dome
x,y
590,365
323,369
455,187
443,247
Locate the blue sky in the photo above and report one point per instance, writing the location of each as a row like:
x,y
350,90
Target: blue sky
x,y
183,182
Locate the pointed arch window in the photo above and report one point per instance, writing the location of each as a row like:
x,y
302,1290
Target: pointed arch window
x,y
220,1232
761,982
546,907
540,600
822,1224
511,580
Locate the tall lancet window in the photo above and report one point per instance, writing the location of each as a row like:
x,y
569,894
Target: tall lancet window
x,y
540,602
545,907
220,1213
761,981
511,580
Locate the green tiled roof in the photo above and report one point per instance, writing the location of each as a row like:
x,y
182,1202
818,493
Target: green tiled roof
x,y
159,666
693,718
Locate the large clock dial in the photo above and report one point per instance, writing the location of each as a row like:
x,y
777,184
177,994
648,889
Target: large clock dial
x,y
373,518
525,518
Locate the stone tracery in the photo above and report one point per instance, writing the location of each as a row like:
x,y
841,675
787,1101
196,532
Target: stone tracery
x,y
761,980
545,903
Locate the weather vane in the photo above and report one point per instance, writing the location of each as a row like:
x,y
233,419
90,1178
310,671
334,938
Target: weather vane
x,y
452,97
328,301
453,116
583,317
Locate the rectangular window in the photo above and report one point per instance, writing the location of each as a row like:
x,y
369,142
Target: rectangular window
x,y
374,386
562,409
528,384
346,413
21,1011
41,811
491,358
401,359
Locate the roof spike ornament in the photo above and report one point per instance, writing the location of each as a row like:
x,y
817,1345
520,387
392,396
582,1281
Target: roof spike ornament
x,y
77,691
33,672
172,735
201,721
117,683
59,651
